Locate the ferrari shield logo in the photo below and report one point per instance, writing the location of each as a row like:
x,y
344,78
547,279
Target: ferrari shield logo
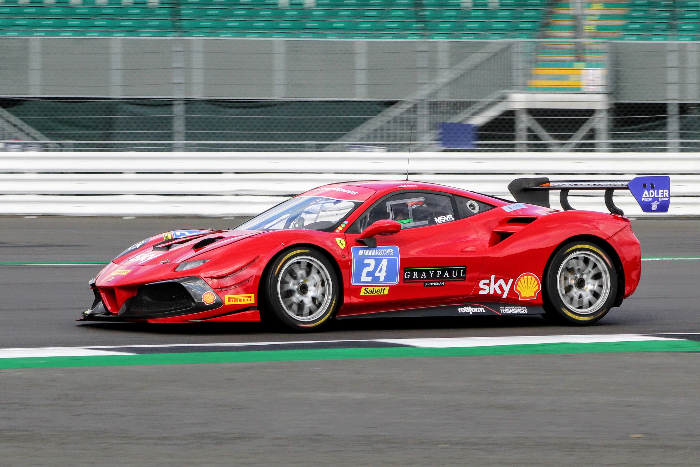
x,y
340,242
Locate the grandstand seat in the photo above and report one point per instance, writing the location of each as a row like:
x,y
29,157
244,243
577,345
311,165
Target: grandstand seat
x,y
689,27
402,14
475,26
501,26
442,26
690,15
480,14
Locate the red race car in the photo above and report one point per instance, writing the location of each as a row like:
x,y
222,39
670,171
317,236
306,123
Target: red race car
x,y
386,248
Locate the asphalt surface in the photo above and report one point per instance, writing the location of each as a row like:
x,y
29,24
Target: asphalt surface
x,y
550,410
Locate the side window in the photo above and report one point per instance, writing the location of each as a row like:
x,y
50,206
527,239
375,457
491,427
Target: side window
x,y
469,207
410,209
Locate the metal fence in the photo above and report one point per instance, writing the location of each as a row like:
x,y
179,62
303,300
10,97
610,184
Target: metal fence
x,y
244,184
196,94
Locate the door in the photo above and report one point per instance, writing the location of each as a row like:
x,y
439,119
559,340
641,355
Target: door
x,y
435,259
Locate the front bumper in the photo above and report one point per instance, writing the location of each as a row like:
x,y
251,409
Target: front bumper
x,y
158,300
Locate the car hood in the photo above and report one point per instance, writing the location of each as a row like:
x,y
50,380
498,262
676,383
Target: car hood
x,y
156,259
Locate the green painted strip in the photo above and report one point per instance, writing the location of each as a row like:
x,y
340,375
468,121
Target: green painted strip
x,y
47,263
347,354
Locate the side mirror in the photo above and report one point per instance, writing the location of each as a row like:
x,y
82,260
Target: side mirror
x,y
383,227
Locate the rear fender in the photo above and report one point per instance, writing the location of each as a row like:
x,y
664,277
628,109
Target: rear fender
x,y
530,249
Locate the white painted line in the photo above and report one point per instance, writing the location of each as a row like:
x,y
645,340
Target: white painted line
x,y
671,259
57,352
451,342
435,343
223,344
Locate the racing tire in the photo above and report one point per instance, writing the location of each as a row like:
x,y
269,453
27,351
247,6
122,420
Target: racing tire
x,y
301,290
580,284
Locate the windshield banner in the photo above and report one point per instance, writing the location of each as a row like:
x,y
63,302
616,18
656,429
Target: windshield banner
x,y
344,192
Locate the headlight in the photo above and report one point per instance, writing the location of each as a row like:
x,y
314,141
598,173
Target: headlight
x,y
190,264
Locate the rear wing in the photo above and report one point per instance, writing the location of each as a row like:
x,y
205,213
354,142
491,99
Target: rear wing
x,y
652,193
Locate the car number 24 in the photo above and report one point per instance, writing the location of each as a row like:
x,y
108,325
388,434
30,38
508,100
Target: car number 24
x,y
375,266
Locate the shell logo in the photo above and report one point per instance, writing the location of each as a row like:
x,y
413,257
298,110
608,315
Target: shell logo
x,y
527,286
208,298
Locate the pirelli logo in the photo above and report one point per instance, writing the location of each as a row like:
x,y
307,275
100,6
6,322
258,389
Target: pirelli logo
x,y
121,272
374,291
239,299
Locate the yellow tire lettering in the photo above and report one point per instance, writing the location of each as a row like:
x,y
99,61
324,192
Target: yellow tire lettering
x,y
322,319
589,247
577,317
287,257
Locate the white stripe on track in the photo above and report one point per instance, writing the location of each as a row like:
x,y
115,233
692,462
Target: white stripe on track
x,y
436,343
671,259
57,352
448,342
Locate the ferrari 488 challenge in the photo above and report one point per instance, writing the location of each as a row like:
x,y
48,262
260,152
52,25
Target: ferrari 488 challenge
x,y
388,248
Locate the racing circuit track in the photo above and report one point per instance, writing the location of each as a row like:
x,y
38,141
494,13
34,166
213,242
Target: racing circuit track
x,y
559,405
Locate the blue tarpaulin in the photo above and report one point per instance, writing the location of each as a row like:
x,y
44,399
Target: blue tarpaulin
x,y
458,135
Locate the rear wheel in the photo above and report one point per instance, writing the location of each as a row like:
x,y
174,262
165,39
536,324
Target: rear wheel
x,y
301,289
581,284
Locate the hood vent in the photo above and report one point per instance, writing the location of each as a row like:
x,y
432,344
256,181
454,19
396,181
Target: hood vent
x,y
206,242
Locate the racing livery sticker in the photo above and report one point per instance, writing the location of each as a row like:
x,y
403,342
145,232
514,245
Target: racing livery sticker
x,y
117,273
340,242
175,234
514,207
144,257
341,227
434,284
374,291
527,286
208,298
471,309
652,193
449,273
443,219
375,266
239,299
121,272
493,286
513,310
346,192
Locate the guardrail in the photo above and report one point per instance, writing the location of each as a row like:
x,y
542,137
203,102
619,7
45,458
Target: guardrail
x,y
243,184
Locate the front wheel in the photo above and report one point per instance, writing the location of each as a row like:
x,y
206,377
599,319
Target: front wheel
x,y
581,284
301,289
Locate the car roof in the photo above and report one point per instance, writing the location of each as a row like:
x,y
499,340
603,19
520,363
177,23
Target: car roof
x,y
383,187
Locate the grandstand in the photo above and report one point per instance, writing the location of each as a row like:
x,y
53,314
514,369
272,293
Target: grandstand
x,y
328,19
325,19
331,74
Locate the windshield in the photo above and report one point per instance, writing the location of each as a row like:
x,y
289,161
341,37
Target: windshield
x,y
303,212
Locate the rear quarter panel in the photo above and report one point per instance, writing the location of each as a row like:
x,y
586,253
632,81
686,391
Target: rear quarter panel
x,y
529,250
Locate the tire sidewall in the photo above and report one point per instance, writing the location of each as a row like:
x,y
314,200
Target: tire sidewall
x,y
555,306
275,309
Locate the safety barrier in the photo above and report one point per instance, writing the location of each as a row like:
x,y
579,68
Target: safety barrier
x,y
243,184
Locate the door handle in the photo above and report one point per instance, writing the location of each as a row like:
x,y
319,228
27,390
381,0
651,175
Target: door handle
x,y
469,248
